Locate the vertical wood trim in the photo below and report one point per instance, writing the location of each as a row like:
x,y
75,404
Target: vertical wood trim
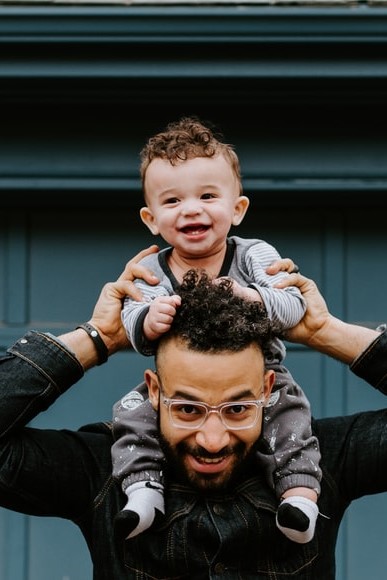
x,y
335,394
14,546
16,288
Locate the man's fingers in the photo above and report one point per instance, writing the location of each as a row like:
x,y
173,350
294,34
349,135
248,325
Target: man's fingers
x,y
295,279
150,250
283,265
134,270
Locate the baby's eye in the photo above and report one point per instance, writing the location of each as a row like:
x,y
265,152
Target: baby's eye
x,y
171,201
208,196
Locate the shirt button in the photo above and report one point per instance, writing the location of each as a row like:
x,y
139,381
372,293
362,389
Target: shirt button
x,y
218,509
23,341
219,568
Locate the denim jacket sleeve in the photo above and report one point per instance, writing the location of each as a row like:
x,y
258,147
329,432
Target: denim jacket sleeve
x,y
371,365
42,471
36,370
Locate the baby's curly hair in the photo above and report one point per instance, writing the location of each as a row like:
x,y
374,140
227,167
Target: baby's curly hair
x,y
185,139
212,318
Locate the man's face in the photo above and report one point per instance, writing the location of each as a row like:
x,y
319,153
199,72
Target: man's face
x,y
213,454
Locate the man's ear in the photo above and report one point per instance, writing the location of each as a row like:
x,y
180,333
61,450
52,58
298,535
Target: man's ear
x,y
149,220
153,388
269,380
240,209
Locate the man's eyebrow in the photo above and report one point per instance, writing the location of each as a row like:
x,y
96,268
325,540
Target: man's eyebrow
x,y
182,395
246,394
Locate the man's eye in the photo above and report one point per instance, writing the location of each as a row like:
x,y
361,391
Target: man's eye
x,y
236,409
187,409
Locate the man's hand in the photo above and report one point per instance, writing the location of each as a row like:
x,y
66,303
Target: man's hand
x,y
317,316
107,311
282,265
322,331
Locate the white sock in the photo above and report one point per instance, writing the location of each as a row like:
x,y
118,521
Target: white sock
x,y
308,508
144,497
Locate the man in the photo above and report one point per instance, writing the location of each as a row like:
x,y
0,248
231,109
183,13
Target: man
x,y
220,517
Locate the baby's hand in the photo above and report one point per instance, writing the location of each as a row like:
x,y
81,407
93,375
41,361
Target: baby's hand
x,y
160,316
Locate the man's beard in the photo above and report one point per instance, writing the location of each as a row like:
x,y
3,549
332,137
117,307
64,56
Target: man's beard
x,y
207,482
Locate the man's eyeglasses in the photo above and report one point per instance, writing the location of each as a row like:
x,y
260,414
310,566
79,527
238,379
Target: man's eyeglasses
x,y
234,416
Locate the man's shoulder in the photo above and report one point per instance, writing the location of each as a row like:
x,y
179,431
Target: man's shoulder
x,y
103,428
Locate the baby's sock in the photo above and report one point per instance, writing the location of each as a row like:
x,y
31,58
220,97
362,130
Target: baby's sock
x,y
145,503
296,518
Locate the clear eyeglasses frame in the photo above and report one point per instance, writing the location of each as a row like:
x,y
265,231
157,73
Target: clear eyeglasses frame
x,y
235,416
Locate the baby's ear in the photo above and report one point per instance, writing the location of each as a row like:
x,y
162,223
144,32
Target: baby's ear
x,y
240,209
149,220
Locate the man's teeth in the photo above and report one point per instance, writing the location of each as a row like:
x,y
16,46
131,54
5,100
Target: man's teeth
x,y
208,460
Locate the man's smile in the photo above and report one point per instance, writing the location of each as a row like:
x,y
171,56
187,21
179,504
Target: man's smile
x,y
208,465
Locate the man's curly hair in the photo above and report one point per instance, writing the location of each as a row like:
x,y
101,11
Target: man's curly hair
x,y
212,318
185,139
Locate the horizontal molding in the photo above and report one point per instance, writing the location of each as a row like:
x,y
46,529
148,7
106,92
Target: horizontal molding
x,y
197,57
77,192
210,24
345,184
240,53
202,67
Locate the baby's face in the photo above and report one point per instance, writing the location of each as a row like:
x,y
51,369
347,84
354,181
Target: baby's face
x,y
192,205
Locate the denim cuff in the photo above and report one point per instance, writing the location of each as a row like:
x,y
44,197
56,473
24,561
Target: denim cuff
x,y
50,357
371,365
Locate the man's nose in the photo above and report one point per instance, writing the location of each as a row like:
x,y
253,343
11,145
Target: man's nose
x,y
213,435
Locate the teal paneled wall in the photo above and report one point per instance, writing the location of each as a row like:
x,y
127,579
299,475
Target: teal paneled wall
x,y
67,264
301,92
